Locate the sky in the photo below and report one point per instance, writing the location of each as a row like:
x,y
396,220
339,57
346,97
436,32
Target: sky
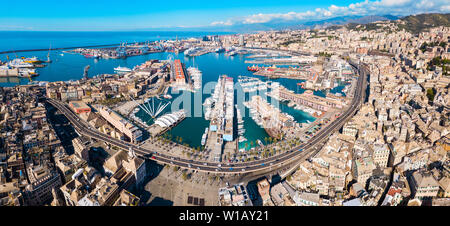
x,y
100,15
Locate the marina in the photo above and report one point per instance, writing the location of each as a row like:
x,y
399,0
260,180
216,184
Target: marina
x,y
244,134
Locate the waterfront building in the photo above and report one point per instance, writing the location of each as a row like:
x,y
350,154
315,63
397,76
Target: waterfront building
x,y
180,77
121,124
310,100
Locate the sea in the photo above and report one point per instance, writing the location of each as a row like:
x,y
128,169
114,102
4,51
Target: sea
x,y
66,66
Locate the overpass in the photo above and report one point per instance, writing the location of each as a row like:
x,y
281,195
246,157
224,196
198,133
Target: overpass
x,y
298,153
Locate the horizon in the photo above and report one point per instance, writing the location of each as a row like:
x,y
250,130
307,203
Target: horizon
x,y
214,16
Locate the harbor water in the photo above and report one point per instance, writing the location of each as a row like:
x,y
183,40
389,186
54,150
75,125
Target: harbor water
x,y
66,66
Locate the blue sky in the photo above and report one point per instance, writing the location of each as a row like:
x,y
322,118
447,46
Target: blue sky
x,y
140,14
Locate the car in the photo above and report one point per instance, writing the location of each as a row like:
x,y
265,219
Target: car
x,y
205,164
243,170
262,164
198,167
271,163
219,165
189,165
231,168
171,162
217,169
153,157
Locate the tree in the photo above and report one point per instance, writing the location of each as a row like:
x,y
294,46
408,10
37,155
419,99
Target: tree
x,y
430,94
289,178
184,176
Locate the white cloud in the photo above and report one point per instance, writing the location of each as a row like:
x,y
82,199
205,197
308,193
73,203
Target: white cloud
x,y
394,2
380,7
228,23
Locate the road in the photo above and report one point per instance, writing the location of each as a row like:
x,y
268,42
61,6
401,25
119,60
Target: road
x,y
301,152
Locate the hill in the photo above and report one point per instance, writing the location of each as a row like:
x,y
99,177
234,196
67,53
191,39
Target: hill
x,y
419,23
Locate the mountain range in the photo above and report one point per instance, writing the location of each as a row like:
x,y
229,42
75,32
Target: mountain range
x,y
283,24
413,23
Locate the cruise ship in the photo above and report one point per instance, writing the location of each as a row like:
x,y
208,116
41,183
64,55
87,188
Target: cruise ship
x,y
122,69
195,51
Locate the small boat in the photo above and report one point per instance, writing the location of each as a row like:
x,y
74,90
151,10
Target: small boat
x,y
205,135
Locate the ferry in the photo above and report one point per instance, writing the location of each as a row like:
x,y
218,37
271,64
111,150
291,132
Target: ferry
x,y
28,72
122,69
32,60
19,63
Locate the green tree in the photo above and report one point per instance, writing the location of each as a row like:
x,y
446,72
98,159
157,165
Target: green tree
x,y
430,94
